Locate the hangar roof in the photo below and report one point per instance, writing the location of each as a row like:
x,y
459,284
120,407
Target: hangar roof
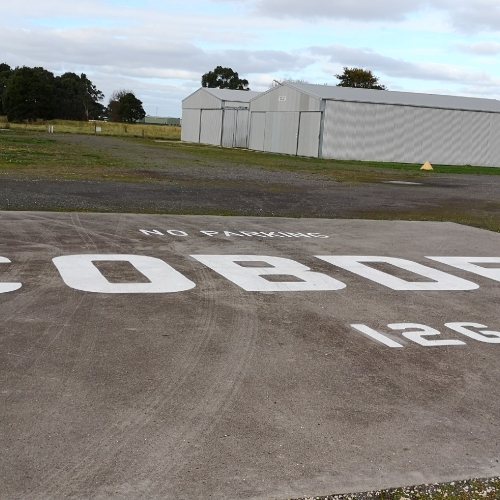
x,y
232,95
330,92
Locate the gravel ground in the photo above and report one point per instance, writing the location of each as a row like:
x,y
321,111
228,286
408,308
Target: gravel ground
x,y
179,183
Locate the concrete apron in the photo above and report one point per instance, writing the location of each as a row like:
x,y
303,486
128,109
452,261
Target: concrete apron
x,y
195,359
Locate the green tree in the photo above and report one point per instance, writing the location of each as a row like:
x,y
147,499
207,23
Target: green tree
x,y
223,78
5,74
114,104
29,95
78,98
359,78
91,97
125,107
130,109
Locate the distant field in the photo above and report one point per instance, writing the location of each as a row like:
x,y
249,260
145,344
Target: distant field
x,y
107,128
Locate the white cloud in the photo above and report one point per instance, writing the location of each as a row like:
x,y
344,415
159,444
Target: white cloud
x,y
160,49
467,15
347,9
482,48
399,68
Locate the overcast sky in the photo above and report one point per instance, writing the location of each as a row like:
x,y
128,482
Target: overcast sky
x,y
160,48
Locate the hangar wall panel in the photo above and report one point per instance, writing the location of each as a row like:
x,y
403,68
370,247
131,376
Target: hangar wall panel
x,y
309,130
494,140
380,132
284,98
201,99
235,104
190,130
257,131
229,128
235,128
281,133
241,134
211,126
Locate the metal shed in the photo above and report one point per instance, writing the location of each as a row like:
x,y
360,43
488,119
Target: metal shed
x,y
217,116
361,124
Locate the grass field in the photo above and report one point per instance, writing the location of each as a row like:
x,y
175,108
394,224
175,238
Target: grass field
x,y
39,155
107,128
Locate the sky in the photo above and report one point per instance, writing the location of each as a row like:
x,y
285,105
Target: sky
x,y
159,49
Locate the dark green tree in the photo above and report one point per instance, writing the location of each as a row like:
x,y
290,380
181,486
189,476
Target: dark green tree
x,y
78,98
5,74
130,109
125,107
29,95
91,97
114,104
358,78
224,78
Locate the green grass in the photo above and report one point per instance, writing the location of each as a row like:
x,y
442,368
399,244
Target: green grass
x,y
340,169
107,128
36,155
473,489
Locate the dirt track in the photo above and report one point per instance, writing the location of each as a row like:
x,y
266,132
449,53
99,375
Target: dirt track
x,y
177,182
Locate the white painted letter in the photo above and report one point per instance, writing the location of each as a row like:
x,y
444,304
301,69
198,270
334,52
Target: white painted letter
x,y
377,336
443,281
79,272
154,231
466,263
251,278
176,232
423,330
481,336
8,287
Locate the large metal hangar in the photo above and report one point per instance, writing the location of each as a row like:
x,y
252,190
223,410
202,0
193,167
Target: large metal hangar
x,y
217,116
361,124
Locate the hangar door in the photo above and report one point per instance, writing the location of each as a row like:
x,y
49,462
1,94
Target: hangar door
x,y
309,129
235,128
211,126
293,133
281,132
257,129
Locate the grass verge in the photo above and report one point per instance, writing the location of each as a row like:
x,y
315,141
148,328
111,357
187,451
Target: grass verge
x,y
209,154
33,156
147,131
29,155
473,489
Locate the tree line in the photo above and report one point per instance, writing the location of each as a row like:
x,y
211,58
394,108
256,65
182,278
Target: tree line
x,y
226,78
28,94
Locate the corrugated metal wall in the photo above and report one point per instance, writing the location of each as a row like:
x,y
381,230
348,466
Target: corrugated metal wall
x,y
201,99
256,131
235,104
241,135
235,128
278,132
381,132
229,128
284,98
211,126
190,130
281,133
495,139
309,129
